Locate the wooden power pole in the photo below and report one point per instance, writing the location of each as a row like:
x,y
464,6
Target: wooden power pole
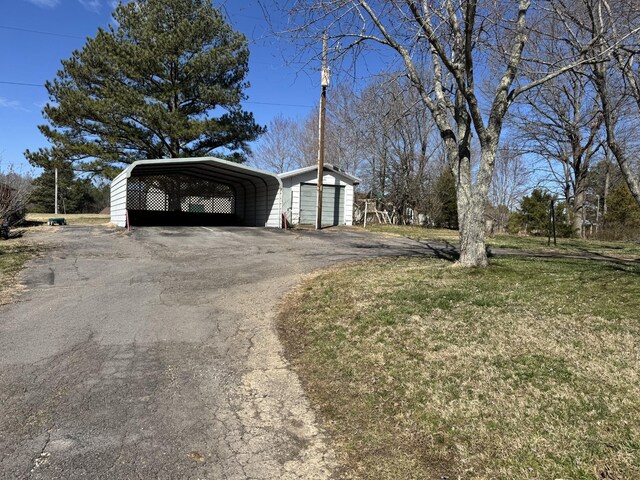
x,y
324,81
55,193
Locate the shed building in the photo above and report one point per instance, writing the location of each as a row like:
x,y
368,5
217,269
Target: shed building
x,y
299,195
195,191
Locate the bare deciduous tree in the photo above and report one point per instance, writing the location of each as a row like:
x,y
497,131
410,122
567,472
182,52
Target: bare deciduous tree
x,y
15,189
560,123
396,142
372,110
608,31
346,143
449,39
278,150
343,133
510,182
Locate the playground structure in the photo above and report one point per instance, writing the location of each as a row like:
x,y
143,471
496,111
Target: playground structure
x,y
367,212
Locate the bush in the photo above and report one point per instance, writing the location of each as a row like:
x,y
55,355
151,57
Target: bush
x,y
14,195
622,221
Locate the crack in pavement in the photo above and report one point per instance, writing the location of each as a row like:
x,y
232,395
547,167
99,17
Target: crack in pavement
x,y
152,359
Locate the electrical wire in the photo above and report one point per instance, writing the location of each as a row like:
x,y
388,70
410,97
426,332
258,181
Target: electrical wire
x,y
22,84
25,84
40,32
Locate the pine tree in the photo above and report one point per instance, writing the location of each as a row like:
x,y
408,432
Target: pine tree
x,y
42,199
533,215
623,217
446,192
166,81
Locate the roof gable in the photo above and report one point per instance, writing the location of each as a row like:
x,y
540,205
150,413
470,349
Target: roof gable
x,y
327,168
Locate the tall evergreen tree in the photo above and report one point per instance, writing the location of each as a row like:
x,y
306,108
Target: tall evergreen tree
x,y
533,215
445,189
166,81
75,195
42,199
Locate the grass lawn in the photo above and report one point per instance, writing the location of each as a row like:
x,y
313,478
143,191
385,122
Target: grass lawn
x,y
71,219
529,369
13,255
628,250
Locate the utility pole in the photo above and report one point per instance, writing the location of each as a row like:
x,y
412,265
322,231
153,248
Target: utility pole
x,y
324,81
598,213
56,192
552,223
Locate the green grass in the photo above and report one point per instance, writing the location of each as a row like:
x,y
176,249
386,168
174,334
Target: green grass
x,y
13,255
628,250
418,233
71,219
529,369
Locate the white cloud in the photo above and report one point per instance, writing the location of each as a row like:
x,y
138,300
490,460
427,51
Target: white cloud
x,y
45,3
93,5
4,103
12,104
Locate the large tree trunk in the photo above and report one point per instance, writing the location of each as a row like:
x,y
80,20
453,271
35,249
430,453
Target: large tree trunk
x,y
578,211
579,198
472,200
473,252
566,190
607,180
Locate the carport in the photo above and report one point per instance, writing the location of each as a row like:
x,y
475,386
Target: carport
x,y
195,191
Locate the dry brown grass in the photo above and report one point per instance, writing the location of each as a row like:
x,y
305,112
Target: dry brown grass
x,y
13,254
529,369
71,219
575,246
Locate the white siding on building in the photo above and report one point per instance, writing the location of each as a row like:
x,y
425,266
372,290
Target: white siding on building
x,y
295,204
258,196
330,177
348,205
276,212
119,200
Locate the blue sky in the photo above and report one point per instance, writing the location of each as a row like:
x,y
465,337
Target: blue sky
x,y
29,57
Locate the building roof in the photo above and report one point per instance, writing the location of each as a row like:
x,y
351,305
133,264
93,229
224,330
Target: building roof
x,y
327,168
207,168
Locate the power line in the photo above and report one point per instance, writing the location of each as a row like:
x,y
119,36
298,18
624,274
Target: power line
x,y
25,84
282,104
22,84
77,37
64,35
40,32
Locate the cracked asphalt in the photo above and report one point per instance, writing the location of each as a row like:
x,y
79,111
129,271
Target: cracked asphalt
x,y
154,355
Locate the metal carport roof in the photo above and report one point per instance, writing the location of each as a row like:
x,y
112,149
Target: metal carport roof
x,y
257,185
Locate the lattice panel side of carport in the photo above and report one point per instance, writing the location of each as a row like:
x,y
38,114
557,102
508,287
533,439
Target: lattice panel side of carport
x,y
179,193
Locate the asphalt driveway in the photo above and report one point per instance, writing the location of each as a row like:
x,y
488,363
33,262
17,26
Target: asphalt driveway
x,y
154,355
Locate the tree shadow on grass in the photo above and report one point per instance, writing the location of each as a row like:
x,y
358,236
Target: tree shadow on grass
x,y
631,266
602,256
444,251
